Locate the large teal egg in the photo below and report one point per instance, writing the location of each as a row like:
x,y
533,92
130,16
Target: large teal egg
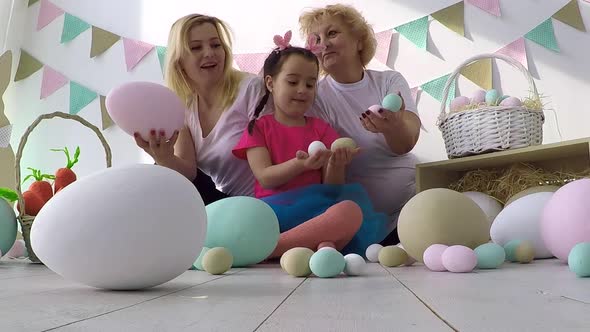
x,y
247,226
579,259
7,227
327,263
490,256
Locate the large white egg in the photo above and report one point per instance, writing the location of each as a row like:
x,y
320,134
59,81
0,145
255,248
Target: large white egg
x,y
122,228
490,206
521,220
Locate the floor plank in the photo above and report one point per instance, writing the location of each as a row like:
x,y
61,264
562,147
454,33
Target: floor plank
x,y
239,302
61,302
541,296
376,302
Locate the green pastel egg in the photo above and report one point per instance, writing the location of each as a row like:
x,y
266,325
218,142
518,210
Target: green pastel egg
x,y
247,226
510,249
579,259
492,97
217,260
7,226
198,264
490,256
392,102
327,263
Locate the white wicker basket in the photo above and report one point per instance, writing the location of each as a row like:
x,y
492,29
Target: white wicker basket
x,y
490,128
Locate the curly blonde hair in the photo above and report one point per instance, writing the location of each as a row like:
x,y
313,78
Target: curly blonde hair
x,y
178,47
351,18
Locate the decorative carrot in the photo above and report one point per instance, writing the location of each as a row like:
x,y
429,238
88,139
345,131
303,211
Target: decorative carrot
x,y
40,187
33,203
64,176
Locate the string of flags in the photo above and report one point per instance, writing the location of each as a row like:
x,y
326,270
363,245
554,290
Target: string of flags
x,y
416,31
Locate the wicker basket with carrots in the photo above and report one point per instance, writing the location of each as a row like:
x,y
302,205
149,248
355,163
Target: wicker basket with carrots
x,y
31,201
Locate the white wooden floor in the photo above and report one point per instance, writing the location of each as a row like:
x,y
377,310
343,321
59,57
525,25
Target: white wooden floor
x,y
542,296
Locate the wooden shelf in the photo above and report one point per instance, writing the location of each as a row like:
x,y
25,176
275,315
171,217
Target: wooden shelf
x,y
572,156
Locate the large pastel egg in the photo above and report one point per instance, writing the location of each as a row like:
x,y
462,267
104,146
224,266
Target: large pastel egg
x,y
492,97
522,220
511,101
565,221
7,226
247,226
441,216
143,106
490,206
392,102
113,229
327,263
478,97
490,256
433,257
532,190
459,103
459,259
579,259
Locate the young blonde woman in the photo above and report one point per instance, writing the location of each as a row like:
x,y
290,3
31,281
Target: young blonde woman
x,y
386,168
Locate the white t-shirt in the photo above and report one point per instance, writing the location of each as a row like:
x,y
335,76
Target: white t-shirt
x,y
231,175
388,178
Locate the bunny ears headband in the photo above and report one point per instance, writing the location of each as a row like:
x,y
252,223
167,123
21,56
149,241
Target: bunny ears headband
x,y
312,44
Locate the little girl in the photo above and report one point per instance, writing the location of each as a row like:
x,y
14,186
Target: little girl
x,y
307,192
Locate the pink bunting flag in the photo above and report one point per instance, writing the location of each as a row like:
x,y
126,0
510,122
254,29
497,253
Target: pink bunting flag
x,y
383,44
135,50
516,50
47,13
490,6
251,63
52,81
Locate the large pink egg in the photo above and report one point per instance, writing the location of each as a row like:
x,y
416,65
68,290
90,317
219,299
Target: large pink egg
x,y
459,259
433,257
565,220
143,106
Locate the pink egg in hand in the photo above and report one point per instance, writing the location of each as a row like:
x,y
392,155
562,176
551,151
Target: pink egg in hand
x,y
459,103
143,106
459,259
375,108
432,257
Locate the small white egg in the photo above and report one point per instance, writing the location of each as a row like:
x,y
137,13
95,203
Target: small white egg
x,y
372,252
355,265
315,147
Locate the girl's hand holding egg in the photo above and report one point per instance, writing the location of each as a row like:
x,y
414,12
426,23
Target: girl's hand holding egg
x,y
343,150
316,157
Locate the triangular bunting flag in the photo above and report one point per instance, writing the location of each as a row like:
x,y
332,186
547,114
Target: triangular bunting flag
x,y
47,13
52,81
106,118
452,17
73,27
32,2
27,66
544,35
490,6
5,74
570,15
135,50
102,40
80,97
5,133
383,44
480,73
436,87
416,31
251,63
161,50
516,50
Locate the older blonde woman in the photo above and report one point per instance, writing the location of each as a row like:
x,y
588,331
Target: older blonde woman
x,y
385,168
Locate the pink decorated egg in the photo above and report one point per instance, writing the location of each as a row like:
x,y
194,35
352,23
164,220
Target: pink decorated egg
x,y
459,259
565,220
511,101
459,103
478,97
143,106
375,108
433,257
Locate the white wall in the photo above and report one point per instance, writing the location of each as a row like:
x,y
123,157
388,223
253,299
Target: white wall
x,y
560,76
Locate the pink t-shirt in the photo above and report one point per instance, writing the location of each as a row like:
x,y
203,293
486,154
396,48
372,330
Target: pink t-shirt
x,y
282,143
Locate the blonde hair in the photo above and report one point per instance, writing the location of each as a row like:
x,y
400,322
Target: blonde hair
x,y
351,18
178,47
